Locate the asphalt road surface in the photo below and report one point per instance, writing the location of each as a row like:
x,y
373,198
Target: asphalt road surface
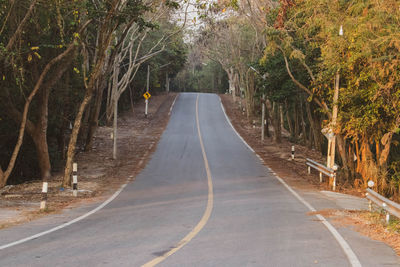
x,y
204,199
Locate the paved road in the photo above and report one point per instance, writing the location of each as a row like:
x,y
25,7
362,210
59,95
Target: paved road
x,y
204,201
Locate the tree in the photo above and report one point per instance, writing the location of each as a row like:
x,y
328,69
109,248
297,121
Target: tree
x,y
20,72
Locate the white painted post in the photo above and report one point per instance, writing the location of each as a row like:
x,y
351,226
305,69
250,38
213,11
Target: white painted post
x,y
292,152
44,196
320,177
334,182
147,90
334,167
75,179
387,217
115,126
263,118
309,170
254,124
370,185
167,82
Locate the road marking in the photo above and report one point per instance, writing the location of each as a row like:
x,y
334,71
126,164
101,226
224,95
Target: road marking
x,y
207,212
18,242
227,119
67,223
173,104
351,256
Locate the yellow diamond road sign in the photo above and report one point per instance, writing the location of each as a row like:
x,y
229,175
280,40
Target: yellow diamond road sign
x,y
147,95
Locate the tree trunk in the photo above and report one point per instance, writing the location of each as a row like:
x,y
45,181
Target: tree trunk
x,y
104,42
231,77
42,152
267,117
74,137
65,112
296,121
366,161
250,89
2,178
289,121
277,123
115,128
351,162
236,87
303,124
39,133
94,116
131,100
386,142
315,128
341,144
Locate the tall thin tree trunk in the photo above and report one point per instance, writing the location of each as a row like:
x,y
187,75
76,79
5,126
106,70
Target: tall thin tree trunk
x,y
289,121
315,130
42,152
277,123
131,100
94,116
303,124
341,144
74,137
115,128
267,117
296,121
39,135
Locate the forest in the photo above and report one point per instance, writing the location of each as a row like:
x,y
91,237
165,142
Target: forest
x,y
68,67
327,71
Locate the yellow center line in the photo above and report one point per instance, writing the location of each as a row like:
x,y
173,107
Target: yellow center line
x,y
207,212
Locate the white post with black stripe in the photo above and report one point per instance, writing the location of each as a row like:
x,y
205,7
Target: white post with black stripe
x,y
75,179
43,203
292,152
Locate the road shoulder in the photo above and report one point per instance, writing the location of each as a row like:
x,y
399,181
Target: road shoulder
x,y
345,210
98,174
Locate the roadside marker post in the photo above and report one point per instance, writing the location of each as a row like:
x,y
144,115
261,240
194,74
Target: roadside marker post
x,y
147,95
292,152
335,168
263,118
370,185
387,216
75,179
44,196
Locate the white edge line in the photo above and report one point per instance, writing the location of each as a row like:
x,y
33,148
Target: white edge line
x,y
226,116
67,223
173,104
82,216
18,242
354,261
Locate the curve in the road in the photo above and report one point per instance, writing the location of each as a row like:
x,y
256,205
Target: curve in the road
x,y
210,202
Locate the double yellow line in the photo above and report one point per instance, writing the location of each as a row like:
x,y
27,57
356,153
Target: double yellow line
x,y
210,202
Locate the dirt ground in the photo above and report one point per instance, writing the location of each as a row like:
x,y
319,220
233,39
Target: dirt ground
x,y
294,172
98,174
